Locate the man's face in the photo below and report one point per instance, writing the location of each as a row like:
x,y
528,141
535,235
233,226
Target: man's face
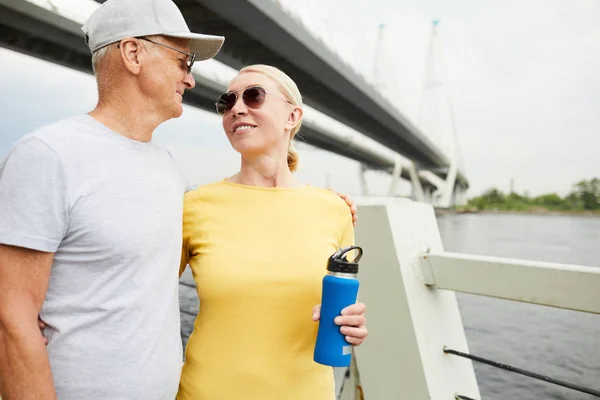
x,y
164,77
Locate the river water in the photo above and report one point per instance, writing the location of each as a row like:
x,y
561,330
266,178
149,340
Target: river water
x,y
559,343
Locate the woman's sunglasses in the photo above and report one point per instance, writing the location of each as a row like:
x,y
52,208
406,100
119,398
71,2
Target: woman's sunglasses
x,y
253,97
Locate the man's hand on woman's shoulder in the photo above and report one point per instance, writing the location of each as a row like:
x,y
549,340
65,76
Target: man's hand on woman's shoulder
x,y
350,204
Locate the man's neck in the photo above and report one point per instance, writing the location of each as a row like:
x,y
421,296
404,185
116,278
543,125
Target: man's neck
x,y
127,119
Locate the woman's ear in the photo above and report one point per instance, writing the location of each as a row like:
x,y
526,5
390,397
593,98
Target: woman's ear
x,y
294,118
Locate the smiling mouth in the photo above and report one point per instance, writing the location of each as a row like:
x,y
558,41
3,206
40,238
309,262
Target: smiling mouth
x,y
243,128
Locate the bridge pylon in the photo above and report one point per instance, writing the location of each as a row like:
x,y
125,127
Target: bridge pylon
x,y
436,118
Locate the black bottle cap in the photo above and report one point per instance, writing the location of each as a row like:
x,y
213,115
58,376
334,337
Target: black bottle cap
x,y
339,263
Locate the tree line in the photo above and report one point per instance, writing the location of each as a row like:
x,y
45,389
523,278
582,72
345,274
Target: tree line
x,y
584,196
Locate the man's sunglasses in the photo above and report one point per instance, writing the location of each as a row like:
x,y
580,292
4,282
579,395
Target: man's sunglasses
x,y
253,97
189,61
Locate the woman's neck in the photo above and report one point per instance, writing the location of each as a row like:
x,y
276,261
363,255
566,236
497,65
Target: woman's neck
x,y
265,172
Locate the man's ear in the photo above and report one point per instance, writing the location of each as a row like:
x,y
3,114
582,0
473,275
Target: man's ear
x,y
294,118
131,54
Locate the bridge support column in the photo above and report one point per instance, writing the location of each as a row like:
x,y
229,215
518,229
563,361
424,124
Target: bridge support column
x,y
429,196
460,196
447,192
417,189
395,176
364,188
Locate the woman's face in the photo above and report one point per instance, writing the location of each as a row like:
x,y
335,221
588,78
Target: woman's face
x,y
260,131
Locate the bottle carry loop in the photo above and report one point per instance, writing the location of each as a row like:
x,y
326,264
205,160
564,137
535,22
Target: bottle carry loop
x,y
341,252
337,262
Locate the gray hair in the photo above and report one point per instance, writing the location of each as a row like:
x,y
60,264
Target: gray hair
x,y
100,56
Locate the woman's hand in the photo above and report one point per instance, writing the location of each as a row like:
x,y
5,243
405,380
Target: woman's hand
x,y
352,322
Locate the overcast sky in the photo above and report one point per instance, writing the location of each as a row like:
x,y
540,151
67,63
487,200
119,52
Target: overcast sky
x,y
522,77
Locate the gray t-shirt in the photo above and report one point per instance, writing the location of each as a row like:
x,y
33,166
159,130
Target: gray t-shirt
x,y
111,209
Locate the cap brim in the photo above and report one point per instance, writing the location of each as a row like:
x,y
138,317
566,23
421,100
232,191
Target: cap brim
x,y
205,46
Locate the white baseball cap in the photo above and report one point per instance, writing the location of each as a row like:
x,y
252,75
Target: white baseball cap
x,y
118,19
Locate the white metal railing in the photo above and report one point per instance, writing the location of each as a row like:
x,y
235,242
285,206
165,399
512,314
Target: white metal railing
x,y
408,283
566,286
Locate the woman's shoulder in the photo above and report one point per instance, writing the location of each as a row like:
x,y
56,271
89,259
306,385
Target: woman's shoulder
x,y
201,192
327,198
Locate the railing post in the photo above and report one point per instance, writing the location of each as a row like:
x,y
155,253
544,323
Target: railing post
x,y
409,323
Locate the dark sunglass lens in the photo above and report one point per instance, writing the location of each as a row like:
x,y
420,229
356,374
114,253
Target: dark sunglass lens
x,y
254,97
226,102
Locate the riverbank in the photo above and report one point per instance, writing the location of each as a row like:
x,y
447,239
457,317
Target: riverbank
x,y
536,211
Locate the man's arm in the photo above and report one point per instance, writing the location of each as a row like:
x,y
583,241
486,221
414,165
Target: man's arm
x,y
24,367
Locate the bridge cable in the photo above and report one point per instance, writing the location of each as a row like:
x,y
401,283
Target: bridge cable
x,y
520,371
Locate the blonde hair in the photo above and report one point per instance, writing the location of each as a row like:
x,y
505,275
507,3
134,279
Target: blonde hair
x,y
290,91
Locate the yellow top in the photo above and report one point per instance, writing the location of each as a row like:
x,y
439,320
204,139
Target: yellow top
x,y
258,256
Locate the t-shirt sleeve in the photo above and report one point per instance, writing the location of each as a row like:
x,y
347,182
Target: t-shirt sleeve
x,y
33,199
185,257
347,228
187,187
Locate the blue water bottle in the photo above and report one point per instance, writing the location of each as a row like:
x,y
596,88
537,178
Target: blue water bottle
x,y
340,289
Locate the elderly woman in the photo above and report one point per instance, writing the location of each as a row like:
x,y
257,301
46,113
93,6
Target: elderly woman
x,y
257,243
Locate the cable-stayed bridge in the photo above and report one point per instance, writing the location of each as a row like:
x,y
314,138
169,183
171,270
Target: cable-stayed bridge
x,y
259,31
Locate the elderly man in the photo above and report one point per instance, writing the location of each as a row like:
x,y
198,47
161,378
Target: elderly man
x,y
91,223
90,212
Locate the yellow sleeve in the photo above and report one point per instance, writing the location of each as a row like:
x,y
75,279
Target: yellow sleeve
x,y
347,229
185,258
